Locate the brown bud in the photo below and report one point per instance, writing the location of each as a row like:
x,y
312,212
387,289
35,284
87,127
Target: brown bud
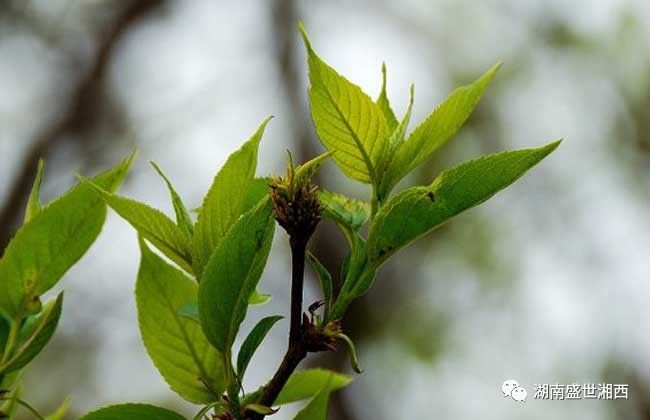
x,y
295,205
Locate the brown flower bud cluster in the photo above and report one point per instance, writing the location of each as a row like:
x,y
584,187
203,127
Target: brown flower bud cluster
x,y
295,203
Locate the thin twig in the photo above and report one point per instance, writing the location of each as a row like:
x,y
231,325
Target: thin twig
x,y
297,350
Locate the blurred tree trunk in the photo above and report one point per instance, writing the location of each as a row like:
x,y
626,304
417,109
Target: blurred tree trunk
x,y
325,243
87,107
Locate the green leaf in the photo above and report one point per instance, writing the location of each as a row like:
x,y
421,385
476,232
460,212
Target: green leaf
x,y
183,219
258,189
35,337
384,104
10,380
60,412
395,140
258,298
56,238
347,211
434,131
324,277
397,136
307,383
253,341
417,210
34,201
225,201
4,332
177,346
10,406
354,273
260,409
155,227
132,412
316,409
346,119
232,274
307,170
189,311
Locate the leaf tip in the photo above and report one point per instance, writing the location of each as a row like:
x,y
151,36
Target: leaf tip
x,y
130,159
59,297
83,180
489,75
158,170
155,166
549,148
305,38
262,126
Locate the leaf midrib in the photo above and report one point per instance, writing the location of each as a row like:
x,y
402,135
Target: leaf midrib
x,y
240,293
364,154
68,239
187,340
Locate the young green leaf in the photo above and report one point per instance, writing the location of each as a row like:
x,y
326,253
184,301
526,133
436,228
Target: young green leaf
x,y
324,277
438,127
397,136
384,104
260,409
316,409
11,380
344,210
307,383
189,311
253,341
4,333
417,210
307,170
232,273
36,336
56,238
61,411
10,406
354,273
183,219
34,201
132,412
355,285
258,298
177,346
258,189
346,119
395,139
155,227
225,200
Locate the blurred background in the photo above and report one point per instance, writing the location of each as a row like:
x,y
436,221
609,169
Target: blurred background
x,y
546,283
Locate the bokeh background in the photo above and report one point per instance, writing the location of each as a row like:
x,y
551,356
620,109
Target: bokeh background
x,y
546,283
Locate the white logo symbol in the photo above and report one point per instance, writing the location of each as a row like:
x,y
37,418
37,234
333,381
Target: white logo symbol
x,y
519,394
508,386
512,389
